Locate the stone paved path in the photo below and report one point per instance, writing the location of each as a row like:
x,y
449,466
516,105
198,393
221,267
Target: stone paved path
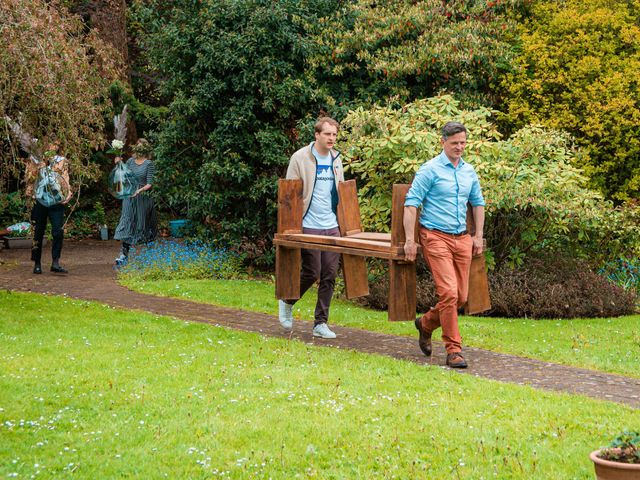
x,y
91,277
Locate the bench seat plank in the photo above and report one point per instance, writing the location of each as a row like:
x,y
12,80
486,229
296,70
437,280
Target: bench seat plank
x,y
351,249
375,236
347,242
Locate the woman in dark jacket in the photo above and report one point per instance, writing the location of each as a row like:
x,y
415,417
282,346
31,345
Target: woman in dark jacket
x,y
47,184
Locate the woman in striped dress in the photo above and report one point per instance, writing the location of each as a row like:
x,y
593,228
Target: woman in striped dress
x,y
138,221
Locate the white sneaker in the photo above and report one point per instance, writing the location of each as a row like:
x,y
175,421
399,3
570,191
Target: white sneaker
x,y
322,330
285,314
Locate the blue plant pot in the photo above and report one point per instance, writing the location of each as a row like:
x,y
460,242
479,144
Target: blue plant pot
x,y
177,228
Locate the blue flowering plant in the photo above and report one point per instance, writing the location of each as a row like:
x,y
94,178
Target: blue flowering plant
x,y
193,259
624,272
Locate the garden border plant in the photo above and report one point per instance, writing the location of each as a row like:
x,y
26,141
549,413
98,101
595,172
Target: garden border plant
x,y
175,259
620,460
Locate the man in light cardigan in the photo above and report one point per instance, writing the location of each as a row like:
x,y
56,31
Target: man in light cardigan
x,y
442,187
319,167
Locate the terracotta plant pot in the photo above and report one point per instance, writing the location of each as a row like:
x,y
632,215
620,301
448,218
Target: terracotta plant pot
x,y
608,470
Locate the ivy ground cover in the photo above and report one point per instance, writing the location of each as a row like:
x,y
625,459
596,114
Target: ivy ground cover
x,y
605,344
94,392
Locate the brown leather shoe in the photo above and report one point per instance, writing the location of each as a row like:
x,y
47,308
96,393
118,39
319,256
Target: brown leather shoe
x,y
456,360
424,340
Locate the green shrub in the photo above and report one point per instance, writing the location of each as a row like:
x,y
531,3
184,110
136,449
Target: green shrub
x,y
233,72
81,224
578,71
13,209
368,51
85,221
550,287
557,287
536,199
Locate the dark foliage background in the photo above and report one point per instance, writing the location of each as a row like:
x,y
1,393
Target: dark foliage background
x,y
548,287
235,76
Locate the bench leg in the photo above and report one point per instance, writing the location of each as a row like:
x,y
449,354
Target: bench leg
x,y
478,299
288,264
356,280
402,291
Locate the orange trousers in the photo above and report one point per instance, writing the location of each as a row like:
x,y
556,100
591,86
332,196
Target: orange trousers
x,y
449,258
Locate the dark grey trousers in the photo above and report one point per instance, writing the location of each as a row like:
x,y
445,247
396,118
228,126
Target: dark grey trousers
x,y
322,266
39,216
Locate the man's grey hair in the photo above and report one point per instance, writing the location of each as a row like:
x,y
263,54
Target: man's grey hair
x,y
451,128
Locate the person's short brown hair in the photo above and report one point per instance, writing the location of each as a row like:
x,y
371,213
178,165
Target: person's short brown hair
x,y
452,128
322,120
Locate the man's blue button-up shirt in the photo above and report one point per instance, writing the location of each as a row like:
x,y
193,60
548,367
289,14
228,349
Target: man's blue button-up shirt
x,y
443,191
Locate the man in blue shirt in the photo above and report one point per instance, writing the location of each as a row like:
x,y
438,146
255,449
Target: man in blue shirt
x,y
442,187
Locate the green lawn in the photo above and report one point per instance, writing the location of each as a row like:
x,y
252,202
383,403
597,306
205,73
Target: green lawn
x,y
95,392
606,344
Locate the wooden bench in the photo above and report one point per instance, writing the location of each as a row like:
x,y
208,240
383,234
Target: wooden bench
x,y
355,245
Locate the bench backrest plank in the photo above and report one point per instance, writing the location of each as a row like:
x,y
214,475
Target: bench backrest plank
x,y
290,206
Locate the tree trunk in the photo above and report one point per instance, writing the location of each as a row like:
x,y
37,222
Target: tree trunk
x,y
109,19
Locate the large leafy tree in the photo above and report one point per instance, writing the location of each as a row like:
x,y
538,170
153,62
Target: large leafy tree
x,y
54,78
368,51
234,73
578,71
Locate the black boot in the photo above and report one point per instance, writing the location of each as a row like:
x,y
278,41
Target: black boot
x,y
56,268
37,268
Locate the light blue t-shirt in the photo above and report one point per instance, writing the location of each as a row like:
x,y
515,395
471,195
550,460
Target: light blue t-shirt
x,y
443,191
320,214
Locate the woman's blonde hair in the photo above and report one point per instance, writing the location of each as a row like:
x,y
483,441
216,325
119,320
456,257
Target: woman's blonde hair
x,y
142,148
